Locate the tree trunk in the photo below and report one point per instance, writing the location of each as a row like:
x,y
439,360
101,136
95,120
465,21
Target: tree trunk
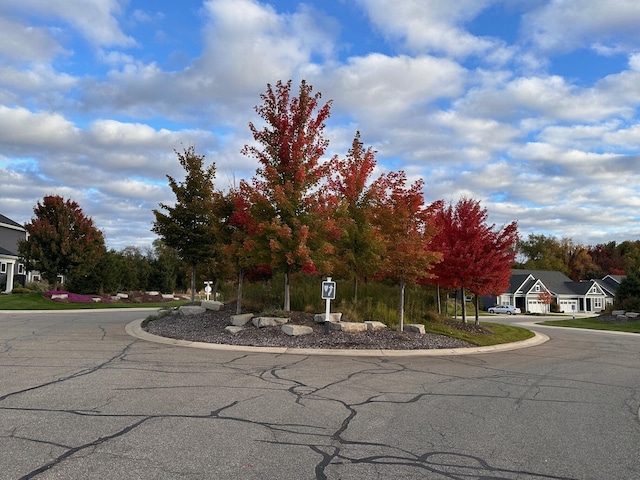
x,y
402,284
464,305
193,283
439,302
240,282
287,293
355,291
477,310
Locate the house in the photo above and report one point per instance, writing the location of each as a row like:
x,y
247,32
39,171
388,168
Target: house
x,y
585,296
11,270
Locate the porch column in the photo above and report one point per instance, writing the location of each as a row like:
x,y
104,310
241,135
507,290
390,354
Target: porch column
x,y
11,267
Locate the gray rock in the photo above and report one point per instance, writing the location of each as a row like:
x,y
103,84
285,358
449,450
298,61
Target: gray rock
x,y
615,313
632,314
415,328
241,319
333,317
233,329
269,321
295,330
350,327
191,310
211,305
373,326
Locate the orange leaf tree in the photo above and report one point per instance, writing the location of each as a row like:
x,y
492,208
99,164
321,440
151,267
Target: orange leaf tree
x,y
285,191
359,246
406,226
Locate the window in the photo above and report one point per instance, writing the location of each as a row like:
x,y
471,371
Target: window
x,y
20,269
537,288
3,268
597,303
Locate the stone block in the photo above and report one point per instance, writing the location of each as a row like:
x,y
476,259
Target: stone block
x,y
211,305
373,326
351,327
168,296
153,293
414,328
122,295
96,299
269,321
191,310
241,319
59,296
295,330
632,314
233,329
333,317
615,313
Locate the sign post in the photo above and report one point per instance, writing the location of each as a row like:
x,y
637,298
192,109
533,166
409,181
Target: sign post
x,y
207,289
328,294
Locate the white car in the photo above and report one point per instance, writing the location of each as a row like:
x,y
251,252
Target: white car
x,y
508,309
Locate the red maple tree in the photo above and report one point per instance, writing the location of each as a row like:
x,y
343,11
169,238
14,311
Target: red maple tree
x,y
284,194
476,256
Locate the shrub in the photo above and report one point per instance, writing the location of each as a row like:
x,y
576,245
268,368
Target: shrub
x,y
20,290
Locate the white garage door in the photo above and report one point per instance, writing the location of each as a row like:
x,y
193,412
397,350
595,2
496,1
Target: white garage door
x,y
568,306
535,306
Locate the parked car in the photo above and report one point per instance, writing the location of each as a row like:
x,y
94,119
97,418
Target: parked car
x,y
508,309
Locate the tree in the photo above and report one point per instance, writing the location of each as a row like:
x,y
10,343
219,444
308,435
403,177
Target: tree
x,y
61,240
359,246
628,293
406,226
546,299
475,255
285,192
191,225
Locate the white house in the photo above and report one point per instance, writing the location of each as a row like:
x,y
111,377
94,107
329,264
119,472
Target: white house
x,y
10,269
584,296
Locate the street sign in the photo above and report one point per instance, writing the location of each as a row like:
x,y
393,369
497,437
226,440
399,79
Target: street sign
x,y
328,290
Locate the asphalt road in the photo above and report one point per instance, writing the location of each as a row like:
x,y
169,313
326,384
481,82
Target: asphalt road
x,y
81,399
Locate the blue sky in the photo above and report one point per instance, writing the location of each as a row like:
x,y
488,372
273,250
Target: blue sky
x,y
529,106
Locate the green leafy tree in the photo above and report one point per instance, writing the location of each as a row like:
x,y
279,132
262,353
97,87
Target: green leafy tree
x,y
61,240
628,293
284,195
190,226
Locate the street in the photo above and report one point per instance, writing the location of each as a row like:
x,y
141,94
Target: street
x,y
80,398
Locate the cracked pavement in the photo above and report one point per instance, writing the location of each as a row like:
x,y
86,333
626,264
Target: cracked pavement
x,y
79,398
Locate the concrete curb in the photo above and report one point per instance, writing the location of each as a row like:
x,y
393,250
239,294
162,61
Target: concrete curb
x,y
134,329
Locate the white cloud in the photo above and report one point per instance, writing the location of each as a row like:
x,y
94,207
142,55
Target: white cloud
x,y
563,26
96,20
433,26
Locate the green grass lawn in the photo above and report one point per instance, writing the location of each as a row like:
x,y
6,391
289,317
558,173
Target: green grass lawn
x,y
595,324
499,333
36,301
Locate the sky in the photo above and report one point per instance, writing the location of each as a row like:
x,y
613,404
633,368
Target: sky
x,y
531,107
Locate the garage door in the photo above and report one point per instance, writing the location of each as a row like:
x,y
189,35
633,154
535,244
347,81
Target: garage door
x,y
535,306
568,306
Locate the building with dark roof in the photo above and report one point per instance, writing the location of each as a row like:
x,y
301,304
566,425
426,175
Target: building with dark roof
x,y
526,287
11,270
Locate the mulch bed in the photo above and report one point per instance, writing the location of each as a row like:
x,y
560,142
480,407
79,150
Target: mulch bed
x,y
209,327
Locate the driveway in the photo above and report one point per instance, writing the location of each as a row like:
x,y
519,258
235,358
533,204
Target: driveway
x,y
80,398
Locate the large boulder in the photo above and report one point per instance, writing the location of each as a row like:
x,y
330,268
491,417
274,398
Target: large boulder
x,y
241,319
191,310
373,326
414,328
351,327
211,305
333,317
295,330
269,321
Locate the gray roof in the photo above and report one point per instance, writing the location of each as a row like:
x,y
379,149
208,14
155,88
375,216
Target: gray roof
x,y
555,281
8,221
